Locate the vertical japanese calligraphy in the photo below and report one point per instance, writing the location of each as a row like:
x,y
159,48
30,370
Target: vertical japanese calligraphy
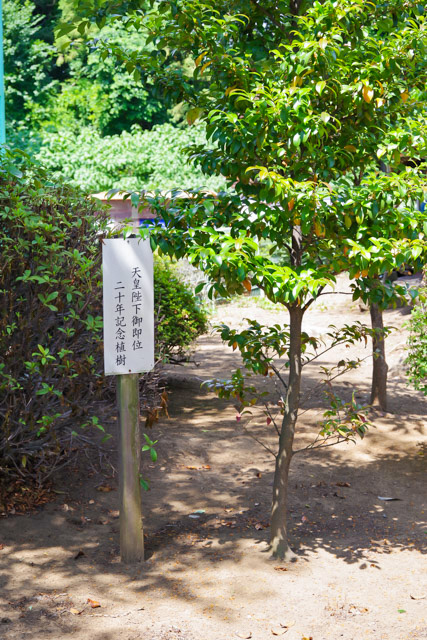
x,y
128,306
136,308
120,324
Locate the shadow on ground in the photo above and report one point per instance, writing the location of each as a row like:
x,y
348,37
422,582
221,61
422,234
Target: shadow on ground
x,y
209,466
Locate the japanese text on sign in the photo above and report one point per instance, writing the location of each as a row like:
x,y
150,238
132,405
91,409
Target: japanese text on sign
x,y
128,306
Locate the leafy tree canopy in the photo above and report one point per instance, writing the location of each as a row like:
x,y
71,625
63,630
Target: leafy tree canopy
x,y
304,101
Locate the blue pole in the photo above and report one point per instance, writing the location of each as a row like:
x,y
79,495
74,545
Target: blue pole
x,y
2,110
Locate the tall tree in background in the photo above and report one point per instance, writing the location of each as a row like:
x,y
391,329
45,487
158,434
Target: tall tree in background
x,y
91,121
301,99
27,62
48,89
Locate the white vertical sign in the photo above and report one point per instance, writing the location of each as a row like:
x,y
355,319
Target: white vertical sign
x,y
128,293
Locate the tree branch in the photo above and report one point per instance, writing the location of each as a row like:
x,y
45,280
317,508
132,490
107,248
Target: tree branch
x,y
272,419
336,293
311,447
276,371
258,441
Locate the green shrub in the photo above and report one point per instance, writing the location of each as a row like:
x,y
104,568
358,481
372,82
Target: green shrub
x,y
180,317
51,370
416,362
50,317
134,160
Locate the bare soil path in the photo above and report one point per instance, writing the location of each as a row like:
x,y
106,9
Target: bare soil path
x,y
361,570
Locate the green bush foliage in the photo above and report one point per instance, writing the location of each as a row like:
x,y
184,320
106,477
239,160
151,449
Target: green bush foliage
x,y
416,362
47,89
88,120
51,370
50,316
133,160
98,92
29,63
180,317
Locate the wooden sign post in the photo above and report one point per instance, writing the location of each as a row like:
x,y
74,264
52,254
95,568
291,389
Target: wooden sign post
x,y
128,296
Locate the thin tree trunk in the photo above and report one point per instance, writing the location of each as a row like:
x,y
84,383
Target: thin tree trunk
x,y
380,368
279,532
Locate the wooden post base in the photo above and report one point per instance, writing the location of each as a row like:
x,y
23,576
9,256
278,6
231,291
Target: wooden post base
x,y
131,533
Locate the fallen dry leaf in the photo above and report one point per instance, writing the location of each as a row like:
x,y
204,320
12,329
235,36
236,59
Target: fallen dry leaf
x,y
280,568
288,625
75,612
114,513
279,632
245,636
105,488
93,603
79,554
343,484
418,597
1,547
259,474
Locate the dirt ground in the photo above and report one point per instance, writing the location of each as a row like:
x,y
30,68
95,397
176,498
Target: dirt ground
x,y
361,568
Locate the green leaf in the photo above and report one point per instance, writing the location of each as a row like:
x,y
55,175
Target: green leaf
x,y
241,274
320,87
284,114
14,171
296,140
144,484
199,287
416,252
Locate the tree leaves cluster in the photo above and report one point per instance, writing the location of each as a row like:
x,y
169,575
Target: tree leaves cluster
x,y
94,123
153,159
50,318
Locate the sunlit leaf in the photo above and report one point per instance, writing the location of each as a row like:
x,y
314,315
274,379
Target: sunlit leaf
x,y
368,93
193,115
200,58
205,66
320,87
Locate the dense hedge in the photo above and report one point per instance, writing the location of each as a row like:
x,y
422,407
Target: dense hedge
x,y
50,317
133,160
51,370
